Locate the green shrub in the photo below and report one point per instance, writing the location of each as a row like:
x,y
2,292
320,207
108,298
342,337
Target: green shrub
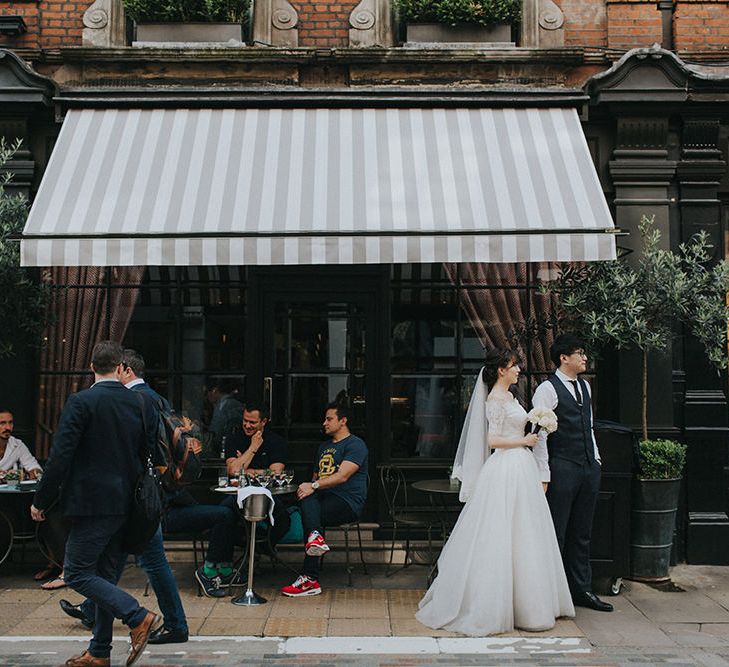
x,y
187,11
456,12
661,459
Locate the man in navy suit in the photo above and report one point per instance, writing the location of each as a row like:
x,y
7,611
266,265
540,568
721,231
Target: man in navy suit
x,y
95,461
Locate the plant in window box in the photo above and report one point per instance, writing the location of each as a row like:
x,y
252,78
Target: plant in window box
x,y
472,22
183,21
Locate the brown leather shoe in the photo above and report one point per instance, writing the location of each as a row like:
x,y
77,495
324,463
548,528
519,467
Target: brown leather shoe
x,y
87,660
140,635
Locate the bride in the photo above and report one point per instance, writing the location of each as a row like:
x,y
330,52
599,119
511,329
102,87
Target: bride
x,y
501,567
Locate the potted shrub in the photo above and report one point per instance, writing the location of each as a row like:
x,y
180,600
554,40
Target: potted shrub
x,y
638,305
458,21
188,20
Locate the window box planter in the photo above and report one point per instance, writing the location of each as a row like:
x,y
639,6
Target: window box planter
x,y
438,35
187,33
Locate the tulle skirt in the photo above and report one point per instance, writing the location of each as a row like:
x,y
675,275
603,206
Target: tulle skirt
x,y
501,567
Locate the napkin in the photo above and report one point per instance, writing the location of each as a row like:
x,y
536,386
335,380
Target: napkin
x,y
245,491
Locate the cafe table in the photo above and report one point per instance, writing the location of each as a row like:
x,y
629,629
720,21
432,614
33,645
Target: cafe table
x,y
442,493
15,499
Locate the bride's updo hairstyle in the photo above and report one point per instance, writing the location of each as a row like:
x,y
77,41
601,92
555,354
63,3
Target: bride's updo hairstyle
x,y
497,358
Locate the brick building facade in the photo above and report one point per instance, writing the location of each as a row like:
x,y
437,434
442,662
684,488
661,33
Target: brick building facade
x,y
649,80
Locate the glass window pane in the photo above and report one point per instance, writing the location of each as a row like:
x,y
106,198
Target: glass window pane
x,y
424,415
473,273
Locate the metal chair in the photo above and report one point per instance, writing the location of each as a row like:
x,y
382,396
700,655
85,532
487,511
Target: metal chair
x,y
395,491
346,527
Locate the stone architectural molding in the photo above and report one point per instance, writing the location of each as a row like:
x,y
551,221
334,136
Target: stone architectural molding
x,y
104,24
542,24
371,24
20,85
275,24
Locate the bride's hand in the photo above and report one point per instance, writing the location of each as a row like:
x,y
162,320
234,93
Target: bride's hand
x,y
531,440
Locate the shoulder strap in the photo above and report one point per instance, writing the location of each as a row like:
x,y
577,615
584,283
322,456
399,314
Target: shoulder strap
x,y
146,454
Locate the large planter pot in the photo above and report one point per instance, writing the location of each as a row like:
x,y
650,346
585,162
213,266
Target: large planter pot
x,y
468,35
653,519
185,33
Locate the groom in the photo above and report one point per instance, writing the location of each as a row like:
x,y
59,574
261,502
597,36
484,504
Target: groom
x,y
574,464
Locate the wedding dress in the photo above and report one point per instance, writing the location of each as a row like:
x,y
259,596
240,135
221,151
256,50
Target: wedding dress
x,y
501,567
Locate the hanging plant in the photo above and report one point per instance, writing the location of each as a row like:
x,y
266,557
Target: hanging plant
x,y
459,12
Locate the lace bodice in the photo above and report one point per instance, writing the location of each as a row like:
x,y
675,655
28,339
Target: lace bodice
x,y
506,417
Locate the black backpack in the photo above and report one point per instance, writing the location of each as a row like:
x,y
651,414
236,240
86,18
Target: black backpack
x,y
180,464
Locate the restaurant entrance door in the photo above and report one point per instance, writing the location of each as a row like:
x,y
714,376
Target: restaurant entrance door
x,y
314,333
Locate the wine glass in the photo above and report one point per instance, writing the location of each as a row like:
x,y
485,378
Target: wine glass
x,y
289,475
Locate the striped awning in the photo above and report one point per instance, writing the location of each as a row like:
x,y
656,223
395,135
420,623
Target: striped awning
x,y
314,186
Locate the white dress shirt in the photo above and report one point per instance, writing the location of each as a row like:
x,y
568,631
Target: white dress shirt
x,y
546,397
17,452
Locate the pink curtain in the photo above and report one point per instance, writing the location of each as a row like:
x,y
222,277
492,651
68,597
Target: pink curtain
x,y
496,313
78,322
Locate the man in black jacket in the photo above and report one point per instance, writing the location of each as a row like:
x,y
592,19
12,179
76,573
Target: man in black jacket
x,y
95,461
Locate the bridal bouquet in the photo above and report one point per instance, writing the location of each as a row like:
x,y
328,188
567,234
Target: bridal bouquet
x,y
542,419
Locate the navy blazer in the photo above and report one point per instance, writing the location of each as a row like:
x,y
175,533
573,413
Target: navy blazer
x,y
96,454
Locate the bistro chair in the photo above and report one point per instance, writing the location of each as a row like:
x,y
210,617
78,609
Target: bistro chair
x,y
346,527
403,516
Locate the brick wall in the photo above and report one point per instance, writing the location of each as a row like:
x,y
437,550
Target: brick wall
x,y
50,24
633,23
701,25
324,24
585,22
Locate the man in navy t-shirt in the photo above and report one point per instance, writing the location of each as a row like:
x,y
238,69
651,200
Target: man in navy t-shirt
x,y
336,495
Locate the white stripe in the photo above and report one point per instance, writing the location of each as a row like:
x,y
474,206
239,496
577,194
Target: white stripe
x,y
71,252
291,250
372,252
346,171
397,174
471,166
523,175
270,171
242,187
371,169
220,171
295,168
193,174
321,167
546,167
422,178
493,153
451,189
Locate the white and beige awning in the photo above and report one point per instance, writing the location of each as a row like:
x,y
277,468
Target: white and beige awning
x,y
315,186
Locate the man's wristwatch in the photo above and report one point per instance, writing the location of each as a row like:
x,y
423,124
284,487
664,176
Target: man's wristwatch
x,y
315,485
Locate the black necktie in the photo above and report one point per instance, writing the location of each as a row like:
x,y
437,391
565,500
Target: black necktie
x,y
578,396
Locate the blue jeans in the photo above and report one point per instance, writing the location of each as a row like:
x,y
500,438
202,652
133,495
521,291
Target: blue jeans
x,y
317,511
220,520
93,552
154,562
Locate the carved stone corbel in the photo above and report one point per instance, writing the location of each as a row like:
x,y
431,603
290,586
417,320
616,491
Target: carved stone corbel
x,y
275,23
371,24
105,24
542,24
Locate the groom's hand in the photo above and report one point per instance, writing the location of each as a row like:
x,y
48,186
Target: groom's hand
x,y
545,486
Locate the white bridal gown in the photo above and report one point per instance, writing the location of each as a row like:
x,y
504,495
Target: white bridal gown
x,y
501,567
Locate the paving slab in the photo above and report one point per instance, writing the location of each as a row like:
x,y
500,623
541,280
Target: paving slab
x,y
686,607
353,627
296,627
625,626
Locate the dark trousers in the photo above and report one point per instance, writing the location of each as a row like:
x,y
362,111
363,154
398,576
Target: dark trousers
x,y
319,510
572,496
219,519
93,551
153,561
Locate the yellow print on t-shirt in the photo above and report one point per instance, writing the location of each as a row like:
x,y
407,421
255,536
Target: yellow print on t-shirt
x,y
327,466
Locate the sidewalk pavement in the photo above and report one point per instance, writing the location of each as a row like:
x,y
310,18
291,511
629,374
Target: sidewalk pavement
x,y
688,625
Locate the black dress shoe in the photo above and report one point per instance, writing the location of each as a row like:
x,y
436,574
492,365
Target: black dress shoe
x,y
591,601
75,611
164,636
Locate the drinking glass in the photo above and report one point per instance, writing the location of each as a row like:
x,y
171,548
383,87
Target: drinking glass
x,y
222,477
289,475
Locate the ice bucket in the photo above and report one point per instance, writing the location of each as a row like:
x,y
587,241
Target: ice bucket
x,y
256,507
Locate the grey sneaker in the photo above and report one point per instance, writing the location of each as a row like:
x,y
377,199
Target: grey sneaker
x,y
213,587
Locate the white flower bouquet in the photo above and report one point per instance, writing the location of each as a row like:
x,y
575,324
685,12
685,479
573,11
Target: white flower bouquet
x,y
542,419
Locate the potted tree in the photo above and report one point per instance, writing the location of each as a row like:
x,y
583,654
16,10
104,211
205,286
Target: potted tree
x,y
23,297
433,22
638,305
183,21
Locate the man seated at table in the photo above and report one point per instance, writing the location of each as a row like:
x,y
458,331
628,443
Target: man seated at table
x,y
12,450
336,495
254,451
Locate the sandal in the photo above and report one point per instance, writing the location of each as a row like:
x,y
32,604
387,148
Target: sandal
x,y
54,584
46,573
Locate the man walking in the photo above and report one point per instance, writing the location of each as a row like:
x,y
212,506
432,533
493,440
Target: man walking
x,y
574,465
153,559
95,461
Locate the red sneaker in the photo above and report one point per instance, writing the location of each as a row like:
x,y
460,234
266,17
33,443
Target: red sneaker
x,y
316,546
302,586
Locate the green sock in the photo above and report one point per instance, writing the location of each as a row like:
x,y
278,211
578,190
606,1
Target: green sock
x,y
209,569
225,569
